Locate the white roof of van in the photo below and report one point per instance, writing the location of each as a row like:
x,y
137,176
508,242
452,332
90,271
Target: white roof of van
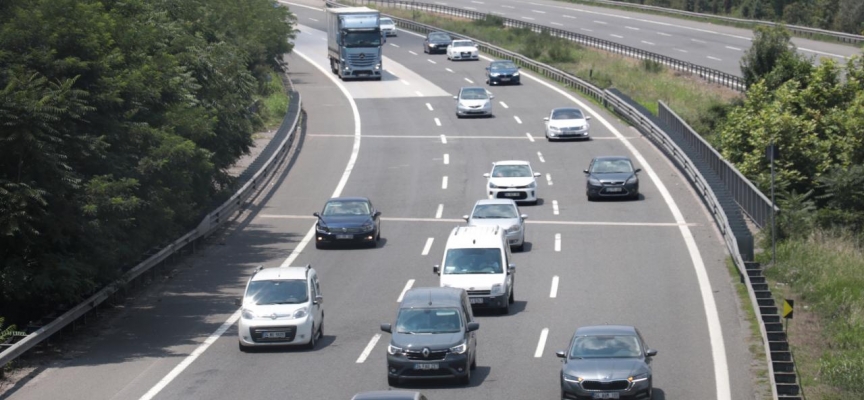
x,y
280,273
475,237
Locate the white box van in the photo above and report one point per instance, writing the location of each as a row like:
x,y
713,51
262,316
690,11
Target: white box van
x,y
477,259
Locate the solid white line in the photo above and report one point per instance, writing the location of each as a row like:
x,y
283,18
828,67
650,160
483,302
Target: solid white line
x,y
427,247
821,52
528,18
541,344
418,92
698,41
586,29
404,82
429,106
368,349
313,19
438,122
302,5
632,28
443,139
540,156
470,8
649,43
191,357
412,52
553,292
554,207
431,61
733,48
538,11
712,318
549,179
446,159
449,70
600,22
519,121
477,2
531,138
683,51
663,34
569,16
533,222
508,6
405,289
468,80
439,211
557,242
503,104
394,44
617,36
714,58
444,183
482,137
555,23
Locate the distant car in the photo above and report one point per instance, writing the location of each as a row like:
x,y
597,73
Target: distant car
x,y
513,180
503,71
281,306
607,362
503,213
348,220
463,50
612,176
388,27
436,42
567,122
473,101
389,395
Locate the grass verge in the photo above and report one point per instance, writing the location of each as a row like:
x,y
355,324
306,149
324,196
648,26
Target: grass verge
x,y
274,102
758,365
825,275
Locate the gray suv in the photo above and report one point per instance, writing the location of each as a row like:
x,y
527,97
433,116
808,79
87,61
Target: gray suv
x,y
434,336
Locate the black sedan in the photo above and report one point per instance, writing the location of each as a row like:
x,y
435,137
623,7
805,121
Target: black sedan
x,y
348,220
607,362
502,71
436,42
612,177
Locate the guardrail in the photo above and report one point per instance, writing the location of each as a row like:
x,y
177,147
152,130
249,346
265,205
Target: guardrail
x,y
709,74
649,128
796,29
210,222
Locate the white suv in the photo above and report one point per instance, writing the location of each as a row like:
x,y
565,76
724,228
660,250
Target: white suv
x,y
281,306
512,180
477,259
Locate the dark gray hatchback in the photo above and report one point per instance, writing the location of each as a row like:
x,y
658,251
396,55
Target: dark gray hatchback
x,y
434,336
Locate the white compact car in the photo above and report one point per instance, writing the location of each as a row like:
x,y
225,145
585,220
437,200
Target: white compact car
x,y
567,122
281,306
388,27
503,213
512,180
463,50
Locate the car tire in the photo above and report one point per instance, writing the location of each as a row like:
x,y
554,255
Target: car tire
x,y
634,196
425,49
466,380
313,340
392,381
458,116
244,349
512,298
520,248
473,363
506,309
319,245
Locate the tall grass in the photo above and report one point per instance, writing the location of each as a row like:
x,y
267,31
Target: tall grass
x,y
273,102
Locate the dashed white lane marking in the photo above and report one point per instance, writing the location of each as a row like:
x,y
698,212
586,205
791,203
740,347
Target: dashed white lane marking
x,y
313,19
568,16
394,44
439,211
648,43
557,242
617,36
733,48
443,139
586,29
503,104
412,52
531,138
477,2
444,183
438,122
368,350
468,80
541,344
554,207
632,28
427,247
714,58
698,41
429,106
518,121
511,7
555,23
446,159
405,289
540,156
683,51
663,34
549,179
404,82
553,291
419,94
600,22
431,61
449,70
538,11
528,18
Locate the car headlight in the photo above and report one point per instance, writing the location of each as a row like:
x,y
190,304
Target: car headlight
x,y
554,129
377,66
494,74
322,229
572,378
516,74
514,228
594,182
492,186
462,105
532,185
393,350
247,314
431,44
633,179
497,289
368,227
460,349
300,313
638,378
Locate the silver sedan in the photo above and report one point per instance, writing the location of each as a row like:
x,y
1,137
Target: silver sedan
x,y
505,214
473,101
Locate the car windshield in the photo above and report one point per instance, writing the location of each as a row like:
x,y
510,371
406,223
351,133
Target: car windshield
x,y
278,291
386,21
428,320
494,211
502,65
571,113
612,346
611,167
362,39
474,94
511,171
463,43
473,261
440,36
346,208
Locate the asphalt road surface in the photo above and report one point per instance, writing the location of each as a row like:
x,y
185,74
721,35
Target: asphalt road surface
x,y
656,263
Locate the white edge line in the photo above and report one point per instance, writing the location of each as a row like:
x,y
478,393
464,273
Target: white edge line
x,y
368,349
405,289
541,344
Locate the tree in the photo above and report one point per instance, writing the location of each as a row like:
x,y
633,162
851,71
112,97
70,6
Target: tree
x,y
770,45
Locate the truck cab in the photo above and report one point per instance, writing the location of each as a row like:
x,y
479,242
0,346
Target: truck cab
x,y
354,42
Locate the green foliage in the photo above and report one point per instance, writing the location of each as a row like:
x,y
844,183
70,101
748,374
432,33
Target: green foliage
x,y
5,331
652,66
770,45
490,21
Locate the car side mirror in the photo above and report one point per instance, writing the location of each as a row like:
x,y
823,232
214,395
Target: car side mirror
x,y
638,170
386,328
316,214
486,175
523,216
455,97
487,68
473,326
436,270
238,302
588,118
650,353
318,300
511,268
465,217
491,97
585,171
376,214
560,354
546,118
537,174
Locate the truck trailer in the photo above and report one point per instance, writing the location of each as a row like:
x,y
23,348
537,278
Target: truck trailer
x,y
354,42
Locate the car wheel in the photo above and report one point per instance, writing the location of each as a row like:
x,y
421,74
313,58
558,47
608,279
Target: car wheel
x,y
466,380
634,196
392,381
520,248
313,340
243,348
426,49
650,393
506,309
512,298
474,363
319,245
458,116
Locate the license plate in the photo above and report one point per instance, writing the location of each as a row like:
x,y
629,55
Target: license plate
x,y
344,236
476,300
426,367
505,79
612,395
612,190
273,335
512,194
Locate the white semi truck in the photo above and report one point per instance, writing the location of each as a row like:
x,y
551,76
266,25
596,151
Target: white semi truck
x,y
354,42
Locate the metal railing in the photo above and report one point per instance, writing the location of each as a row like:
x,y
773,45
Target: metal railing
x,y
210,222
709,74
795,29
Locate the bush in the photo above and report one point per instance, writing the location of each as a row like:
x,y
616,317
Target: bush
x,y
560,51
652,66
491,20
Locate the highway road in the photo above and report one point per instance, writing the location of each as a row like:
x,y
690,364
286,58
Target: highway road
x,y
713,46
656,263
